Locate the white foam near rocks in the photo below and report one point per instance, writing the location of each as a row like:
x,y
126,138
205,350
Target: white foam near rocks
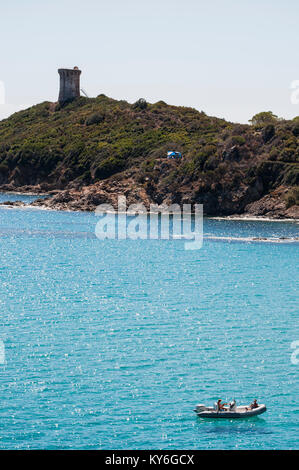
x,y
254,239
252,218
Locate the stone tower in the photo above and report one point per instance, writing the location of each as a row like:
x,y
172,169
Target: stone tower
x,y
69,84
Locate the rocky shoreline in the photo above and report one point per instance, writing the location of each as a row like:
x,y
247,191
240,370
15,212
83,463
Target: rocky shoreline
x,y
272,206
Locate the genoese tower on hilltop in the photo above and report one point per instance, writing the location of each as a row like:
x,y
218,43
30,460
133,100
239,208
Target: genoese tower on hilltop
x,y
69,84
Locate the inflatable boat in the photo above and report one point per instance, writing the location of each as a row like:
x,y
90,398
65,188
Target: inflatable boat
x,y
239,412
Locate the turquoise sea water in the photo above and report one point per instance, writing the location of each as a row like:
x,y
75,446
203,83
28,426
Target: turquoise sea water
x,y
110,344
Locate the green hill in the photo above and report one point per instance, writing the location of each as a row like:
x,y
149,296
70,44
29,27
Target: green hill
x,y
95,141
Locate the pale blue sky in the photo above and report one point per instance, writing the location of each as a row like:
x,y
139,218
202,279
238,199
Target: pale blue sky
x,y
229,58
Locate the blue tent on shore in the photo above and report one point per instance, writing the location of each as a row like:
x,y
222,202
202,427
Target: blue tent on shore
x,y
172,154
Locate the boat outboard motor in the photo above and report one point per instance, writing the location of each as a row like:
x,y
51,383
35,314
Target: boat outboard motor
x,y
200,408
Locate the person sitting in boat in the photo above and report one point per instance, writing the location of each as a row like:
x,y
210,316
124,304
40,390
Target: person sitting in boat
x,y
254,405
220,406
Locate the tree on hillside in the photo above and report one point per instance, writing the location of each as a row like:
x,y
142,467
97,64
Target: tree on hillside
x,y
140,104
263,118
